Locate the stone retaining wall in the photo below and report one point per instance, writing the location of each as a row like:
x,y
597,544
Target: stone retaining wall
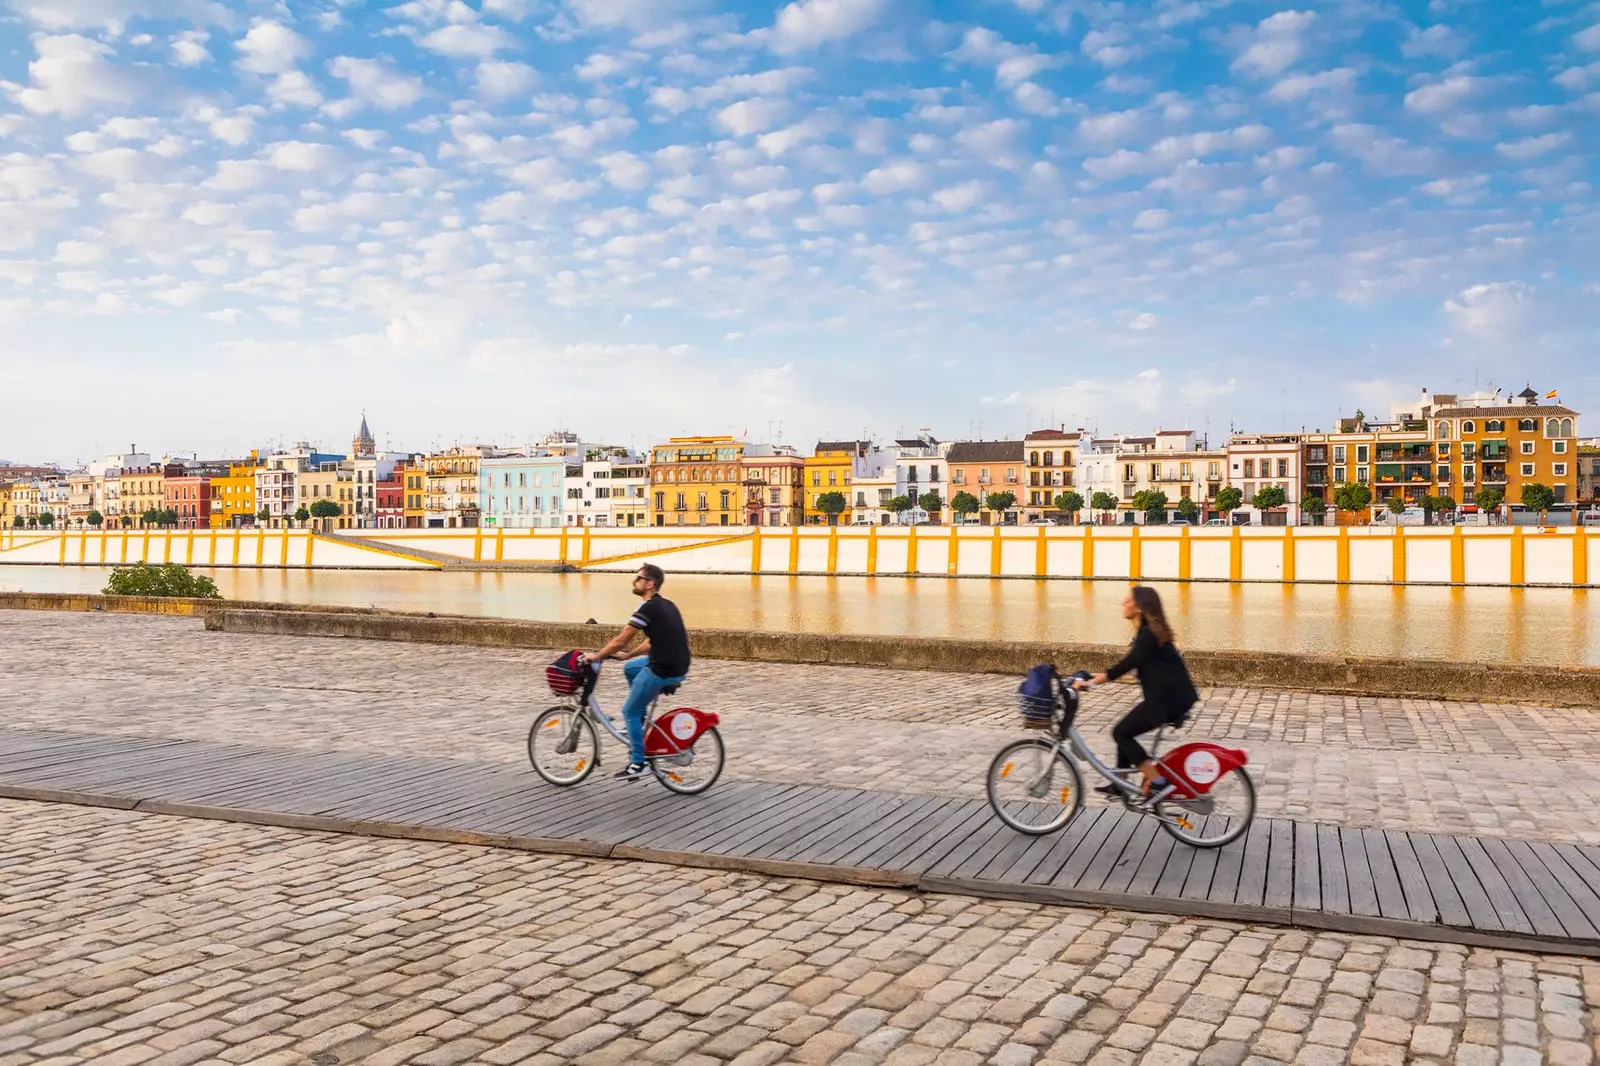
x,y
1571,686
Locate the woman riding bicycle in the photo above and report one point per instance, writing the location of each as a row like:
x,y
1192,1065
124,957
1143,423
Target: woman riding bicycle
x,y
1168,691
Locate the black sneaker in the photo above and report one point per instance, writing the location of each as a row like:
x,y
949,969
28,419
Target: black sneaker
x,y
1108,790
632,772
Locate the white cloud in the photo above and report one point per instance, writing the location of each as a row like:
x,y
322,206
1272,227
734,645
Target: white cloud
x,y
780,142
368,139
1437,40
807,23
71,75
467,41
893,177
189,49
1381,154
1142,321
294,87
1299,86
113,15
1443,95
752,116
1533,147
1172,151
624,170
271,48
499,79
1458,190
1111,126
991,139
1109,48
1589,39
375,84
301,157
79,253
1579,78
602,65
1152,218
962,197
1275,44
1492,309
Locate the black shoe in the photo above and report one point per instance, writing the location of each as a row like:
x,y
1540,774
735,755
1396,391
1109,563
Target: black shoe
x,y
632,772
1109,790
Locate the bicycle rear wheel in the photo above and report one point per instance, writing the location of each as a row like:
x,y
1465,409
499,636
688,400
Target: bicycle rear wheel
x,y
1219,817
691,772
563,746
1034,786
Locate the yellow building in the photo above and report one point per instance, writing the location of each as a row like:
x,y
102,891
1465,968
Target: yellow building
x,y
696,481
1506,447
142,489
415,480
333,481
233,498
450,492
1050,456
7,519
829,469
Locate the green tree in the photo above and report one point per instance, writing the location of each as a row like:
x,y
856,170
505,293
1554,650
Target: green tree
x,y
1538,497
1268,497
1444,502
1188,510
18,522
1352,497
899,505
151,517
1102,501
171,579
329,509
96,519
1229,500
46,519
1396,504
1489,500
931,502
1313,504
964,503
1153,502
301,514
264,515
1000,502
831,504
33,521
1069,503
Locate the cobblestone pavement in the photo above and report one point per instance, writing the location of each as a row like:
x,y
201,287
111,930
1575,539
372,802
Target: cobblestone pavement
x,y
1395,764
130,938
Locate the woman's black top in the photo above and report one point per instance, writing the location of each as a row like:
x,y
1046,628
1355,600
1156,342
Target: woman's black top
x,y
1162,674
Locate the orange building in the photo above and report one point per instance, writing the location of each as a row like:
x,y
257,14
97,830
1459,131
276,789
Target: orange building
x,y
1505,448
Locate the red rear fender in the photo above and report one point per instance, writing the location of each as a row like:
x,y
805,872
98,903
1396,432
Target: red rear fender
x,y
679,728
1194,768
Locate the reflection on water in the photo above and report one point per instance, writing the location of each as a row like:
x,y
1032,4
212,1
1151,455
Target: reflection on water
x,y
1555,626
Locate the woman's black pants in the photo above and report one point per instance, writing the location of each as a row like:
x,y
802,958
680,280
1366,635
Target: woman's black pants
x,y
1142,719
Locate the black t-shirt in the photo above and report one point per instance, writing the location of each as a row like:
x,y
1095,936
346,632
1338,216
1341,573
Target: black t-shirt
x,y
662,625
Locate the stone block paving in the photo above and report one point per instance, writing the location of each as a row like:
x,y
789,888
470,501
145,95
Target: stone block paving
x,y
129,938
1387,763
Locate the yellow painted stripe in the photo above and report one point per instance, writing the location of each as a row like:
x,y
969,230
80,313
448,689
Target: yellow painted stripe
x,y
709,542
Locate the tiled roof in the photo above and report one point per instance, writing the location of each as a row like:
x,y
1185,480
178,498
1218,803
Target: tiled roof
x,y
985,451
1051,434
1503,412
852,446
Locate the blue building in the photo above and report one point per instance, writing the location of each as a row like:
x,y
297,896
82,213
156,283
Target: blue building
x,y
522,492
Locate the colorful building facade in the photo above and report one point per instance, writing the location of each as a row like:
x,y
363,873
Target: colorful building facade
x,y
697,481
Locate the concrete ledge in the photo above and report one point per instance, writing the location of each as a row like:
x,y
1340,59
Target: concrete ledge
x,y
1569,686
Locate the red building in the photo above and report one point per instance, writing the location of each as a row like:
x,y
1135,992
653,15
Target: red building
x,y
391,501
190,497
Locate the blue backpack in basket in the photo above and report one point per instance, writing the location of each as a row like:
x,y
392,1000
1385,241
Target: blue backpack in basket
x,y
1036,696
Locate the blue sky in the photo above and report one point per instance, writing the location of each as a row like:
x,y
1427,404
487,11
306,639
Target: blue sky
x,y
224,224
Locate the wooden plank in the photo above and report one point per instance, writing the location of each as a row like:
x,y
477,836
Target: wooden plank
x,y
1575,874
1554,889
1198,884
1225,880
1281,858
1162,849
735,808
1069,841
1335,880
1110,852
1307,868
1537,910
1092,839
1039,849
1120,876
1170,884
573,821
787,806
265,777
921,855
397,794
1506,909
1387,877
809,818
76,765
1477,910
1417,887
734,822
1358,872
1252,887
975,841
849,829
914,819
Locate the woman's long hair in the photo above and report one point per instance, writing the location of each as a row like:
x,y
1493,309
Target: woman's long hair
x,y
1148,600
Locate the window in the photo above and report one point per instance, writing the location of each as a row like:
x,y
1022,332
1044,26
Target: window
x,y
1033,458
1443,473
1338,475
1559,470
681,503
816,477
1338,453
774,496
933,472
1527,447
1442,431
700,502
1361,453
958,477
1527,469
833,479
1444,451
1527,425
1560,447
861,499
724,499
1049,458
1566,427
1361,475
1283,468
1249,468
1494,425
1213,471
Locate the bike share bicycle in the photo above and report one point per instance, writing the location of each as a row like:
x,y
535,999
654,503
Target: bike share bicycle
x,y
1035,786
684,749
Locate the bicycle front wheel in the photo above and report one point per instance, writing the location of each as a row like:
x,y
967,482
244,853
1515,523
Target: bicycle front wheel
x,y
1034,786
1219,817
562,746
691,772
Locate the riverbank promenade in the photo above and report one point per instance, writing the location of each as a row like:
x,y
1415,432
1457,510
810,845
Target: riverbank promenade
x,y
913,937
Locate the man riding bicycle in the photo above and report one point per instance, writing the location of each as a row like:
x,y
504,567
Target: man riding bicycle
x,y
662,660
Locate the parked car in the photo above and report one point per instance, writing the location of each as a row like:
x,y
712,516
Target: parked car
x,y
1039,522
1214,522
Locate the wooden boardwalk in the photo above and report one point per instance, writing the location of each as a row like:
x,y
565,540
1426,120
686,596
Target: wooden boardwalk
x,y
1474,890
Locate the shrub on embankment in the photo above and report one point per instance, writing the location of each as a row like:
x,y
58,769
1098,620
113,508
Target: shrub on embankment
x,y
169,579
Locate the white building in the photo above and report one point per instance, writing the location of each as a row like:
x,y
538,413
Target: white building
x,y
920,468
1257,460
870,497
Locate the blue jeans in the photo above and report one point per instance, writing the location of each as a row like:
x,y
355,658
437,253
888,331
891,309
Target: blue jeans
x,y
643,686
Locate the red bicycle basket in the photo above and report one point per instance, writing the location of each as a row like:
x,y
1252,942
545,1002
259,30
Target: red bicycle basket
x,y
565,675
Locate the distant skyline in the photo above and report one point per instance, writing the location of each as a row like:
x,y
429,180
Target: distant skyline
x,y
223,224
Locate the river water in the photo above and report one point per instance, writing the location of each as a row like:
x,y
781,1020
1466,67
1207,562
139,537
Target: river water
x,y
1554,626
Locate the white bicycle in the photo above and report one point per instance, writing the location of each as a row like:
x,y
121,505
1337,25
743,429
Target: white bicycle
x,y
682,748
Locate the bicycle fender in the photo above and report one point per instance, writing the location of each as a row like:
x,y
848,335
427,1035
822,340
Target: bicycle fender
x,y
677,730
1195,767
